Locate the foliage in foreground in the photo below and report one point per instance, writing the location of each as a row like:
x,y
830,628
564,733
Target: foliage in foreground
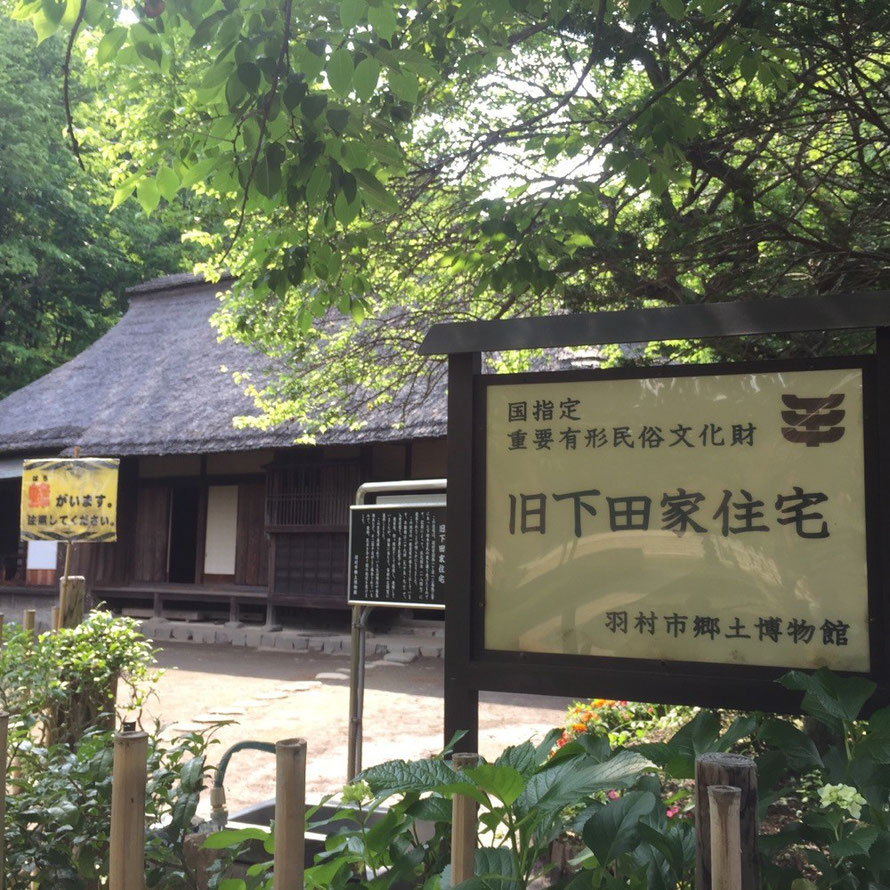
x,y
57,690
406,161
625,810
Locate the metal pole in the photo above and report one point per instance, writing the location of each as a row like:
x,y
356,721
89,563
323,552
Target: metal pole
x,y
359,628
360,616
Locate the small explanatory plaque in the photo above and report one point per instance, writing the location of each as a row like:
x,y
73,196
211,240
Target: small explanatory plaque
x,y
397,555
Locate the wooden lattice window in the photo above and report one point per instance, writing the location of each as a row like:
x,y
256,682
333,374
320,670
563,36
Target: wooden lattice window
x,y
311,495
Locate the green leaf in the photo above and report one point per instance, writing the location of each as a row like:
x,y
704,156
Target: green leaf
x,y
198,171
351,12
828,695
523,758
148,195
637,173
676,9
376,194
797,747
365,78
612,830
110,43
635,8
857,843
168,183
313,105
54,10
318,185
250,75
405,85
503,782
338,120
233,837
552,789
345,210
383,20
340,70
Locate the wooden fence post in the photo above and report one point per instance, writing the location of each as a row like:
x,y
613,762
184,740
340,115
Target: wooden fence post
x,y
4,740
464,829
290,814
726,849
72,593
739,772
126,866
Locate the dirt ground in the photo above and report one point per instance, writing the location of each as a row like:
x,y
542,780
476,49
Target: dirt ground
x,y
276,695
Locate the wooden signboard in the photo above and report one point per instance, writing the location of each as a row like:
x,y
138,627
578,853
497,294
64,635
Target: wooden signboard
x,y
678,534
69,499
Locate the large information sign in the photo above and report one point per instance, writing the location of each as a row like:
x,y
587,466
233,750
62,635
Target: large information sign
x,y
693,517
397,555
69,499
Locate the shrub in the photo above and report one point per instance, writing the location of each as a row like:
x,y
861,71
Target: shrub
x,y
59,691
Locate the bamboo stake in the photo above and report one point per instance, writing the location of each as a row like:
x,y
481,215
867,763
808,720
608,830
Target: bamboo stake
x,y
738,772
726,847
290,814
4,740
463,826
55,613
29,618
2,616
126,867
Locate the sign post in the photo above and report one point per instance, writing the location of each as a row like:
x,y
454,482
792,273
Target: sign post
x,y
682,534
396,559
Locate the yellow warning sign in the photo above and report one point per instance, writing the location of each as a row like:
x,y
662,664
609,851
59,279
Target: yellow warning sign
x,y
70,499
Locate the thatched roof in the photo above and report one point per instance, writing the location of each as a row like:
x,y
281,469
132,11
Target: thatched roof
x,y
153,385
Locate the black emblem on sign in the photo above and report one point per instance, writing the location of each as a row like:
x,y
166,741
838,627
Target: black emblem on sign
x,y
813,421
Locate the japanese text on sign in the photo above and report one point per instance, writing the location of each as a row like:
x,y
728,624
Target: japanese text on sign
x,y
714,518
397,555
69,499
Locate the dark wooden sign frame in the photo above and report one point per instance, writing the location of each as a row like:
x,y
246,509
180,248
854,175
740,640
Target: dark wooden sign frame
x,y
470,668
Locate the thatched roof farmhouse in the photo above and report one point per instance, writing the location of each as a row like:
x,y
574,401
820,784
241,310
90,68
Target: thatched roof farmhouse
x,y
209,515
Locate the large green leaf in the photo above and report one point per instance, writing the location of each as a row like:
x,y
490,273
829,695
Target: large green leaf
x,y
340,70
828,696
613,830
365,77
550,790
498,780
798,748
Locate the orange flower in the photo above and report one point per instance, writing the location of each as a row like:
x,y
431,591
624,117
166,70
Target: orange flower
x,y
578,727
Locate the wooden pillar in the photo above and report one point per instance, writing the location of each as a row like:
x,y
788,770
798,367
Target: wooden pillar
x,y
726,850
29,618
290,814
4,740
126,866
463,826
461,690
739,772
72,593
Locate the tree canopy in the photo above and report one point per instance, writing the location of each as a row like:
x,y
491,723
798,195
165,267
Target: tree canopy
x,y
405,161
64,261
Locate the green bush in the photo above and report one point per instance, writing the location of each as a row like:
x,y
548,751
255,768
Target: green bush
x,y
59,691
